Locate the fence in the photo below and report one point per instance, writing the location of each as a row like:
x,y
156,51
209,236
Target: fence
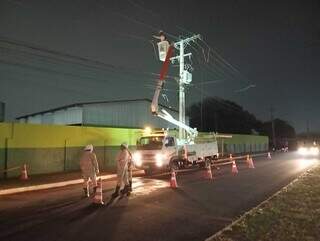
x,y
52,148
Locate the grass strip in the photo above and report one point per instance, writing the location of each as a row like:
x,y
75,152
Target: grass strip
x,y
291,214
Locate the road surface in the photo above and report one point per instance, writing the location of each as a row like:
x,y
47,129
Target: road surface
x,y
154,212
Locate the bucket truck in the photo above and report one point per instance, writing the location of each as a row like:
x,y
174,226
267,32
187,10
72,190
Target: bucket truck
x,y
163,150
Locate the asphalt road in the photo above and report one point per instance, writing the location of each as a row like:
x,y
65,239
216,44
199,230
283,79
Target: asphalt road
x,y
194,211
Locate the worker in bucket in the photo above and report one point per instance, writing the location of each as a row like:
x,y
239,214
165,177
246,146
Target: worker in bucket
x,y
89,168
161,36
122,160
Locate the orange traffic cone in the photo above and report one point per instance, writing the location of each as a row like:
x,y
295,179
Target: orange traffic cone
x,y
234,169
269,155
173,180
24,173
248,159
251,163
98,199
208,173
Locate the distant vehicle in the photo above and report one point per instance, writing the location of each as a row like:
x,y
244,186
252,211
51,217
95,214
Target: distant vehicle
x,y
309,149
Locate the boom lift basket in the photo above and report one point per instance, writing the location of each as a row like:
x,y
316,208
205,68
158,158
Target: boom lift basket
x,y
163,47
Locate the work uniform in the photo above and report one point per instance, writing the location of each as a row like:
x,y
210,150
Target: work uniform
x,y
130,168
122,160
90,169
122,167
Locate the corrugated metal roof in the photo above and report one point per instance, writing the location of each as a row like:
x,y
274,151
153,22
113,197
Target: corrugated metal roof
x,y
90,103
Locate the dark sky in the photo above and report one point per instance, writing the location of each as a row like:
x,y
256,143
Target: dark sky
x,y
274,45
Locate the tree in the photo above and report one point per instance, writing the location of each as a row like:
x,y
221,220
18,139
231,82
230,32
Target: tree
x,y
285,133
222,116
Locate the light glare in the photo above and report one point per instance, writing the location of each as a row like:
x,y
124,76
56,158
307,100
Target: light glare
x,y
137,159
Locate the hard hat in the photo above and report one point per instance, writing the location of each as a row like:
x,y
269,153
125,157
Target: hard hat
x,y
124,144
161,33
89,148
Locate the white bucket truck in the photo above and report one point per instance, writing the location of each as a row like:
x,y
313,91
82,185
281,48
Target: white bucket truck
x,y
161,150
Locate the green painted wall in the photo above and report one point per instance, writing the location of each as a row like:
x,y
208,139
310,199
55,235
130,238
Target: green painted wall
x,y
244,144
53,148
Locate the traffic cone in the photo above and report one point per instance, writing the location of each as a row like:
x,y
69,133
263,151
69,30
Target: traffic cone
x,y
24,173
248,159
234,169
269,155
173,180
208,173
251,163
98,199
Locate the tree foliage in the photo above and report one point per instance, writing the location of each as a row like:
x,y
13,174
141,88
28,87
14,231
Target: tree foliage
x,y
225,116
222,116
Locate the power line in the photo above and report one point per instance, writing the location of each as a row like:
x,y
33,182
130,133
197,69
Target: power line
x,y
218,57
137,21
75,60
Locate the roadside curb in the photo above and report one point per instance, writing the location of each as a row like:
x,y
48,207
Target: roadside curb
x,y
52,185
229,227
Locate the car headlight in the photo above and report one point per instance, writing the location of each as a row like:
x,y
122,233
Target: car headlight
x,y
159,159
137,159
303,151
314,151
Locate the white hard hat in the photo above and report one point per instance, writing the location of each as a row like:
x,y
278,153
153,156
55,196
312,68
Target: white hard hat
x,y
124,144
89,148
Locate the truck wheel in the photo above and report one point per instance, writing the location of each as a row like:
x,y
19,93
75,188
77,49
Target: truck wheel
x,y
184,164
202,164
174,165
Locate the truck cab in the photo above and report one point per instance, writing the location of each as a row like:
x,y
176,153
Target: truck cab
x,y
156,151
161,150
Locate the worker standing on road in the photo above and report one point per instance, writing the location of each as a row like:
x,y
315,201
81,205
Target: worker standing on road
x,y
90,169
122,159
130,167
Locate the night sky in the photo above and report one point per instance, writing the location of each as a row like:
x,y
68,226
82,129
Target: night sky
x,y
272,45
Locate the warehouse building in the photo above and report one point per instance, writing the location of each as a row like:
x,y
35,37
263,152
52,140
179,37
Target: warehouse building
x,y
121,113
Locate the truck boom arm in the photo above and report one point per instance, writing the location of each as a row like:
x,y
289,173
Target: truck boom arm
x,y
192,133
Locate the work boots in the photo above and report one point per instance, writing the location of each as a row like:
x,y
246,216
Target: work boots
x,y
116,192
130,186
86,193
125,190
94,190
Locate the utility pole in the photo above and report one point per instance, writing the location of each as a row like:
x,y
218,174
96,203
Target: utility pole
x,y
185,78
308,131
215,121
182,96
201,104
273,127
